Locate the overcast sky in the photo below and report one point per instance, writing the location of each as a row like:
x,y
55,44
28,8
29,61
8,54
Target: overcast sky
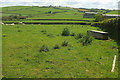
x,y
107,4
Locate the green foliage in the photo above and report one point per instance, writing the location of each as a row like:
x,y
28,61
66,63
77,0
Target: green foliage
x,y
86,39
56,47
13,17
65,43
65,32
79,36
96,24
44,48
99,17
111,26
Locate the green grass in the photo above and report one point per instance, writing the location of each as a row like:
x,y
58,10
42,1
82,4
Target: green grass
x,y
21,56
114,12
42,12
59,18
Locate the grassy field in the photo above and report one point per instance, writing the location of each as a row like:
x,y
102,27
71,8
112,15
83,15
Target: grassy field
x,y
22,57
114,12
21,44
42,12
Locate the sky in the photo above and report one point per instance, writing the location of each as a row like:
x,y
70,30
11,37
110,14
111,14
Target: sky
x,y
106,4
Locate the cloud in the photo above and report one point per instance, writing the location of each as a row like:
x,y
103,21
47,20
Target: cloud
x,y
108,4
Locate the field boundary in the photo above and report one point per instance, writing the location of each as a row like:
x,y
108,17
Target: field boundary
x,y
81,23
63,19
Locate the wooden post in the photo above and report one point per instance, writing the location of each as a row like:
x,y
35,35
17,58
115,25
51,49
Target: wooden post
x,y
113,66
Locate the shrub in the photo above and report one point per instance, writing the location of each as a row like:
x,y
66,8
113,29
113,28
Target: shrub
x,y
86,39
79,36
44,48
66,32
56,47
65,43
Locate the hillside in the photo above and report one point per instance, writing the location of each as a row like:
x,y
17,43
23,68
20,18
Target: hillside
x,y
42,12
114,12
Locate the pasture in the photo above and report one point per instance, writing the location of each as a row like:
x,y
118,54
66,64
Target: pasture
x,y
22,57
42,12
114,12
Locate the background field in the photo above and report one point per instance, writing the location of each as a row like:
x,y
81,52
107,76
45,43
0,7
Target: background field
x,y
114,12
22,58
43,12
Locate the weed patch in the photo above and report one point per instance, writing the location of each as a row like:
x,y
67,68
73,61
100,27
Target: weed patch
x,y
19,30
44,48
79,36
65,32
86,39
65,43
56,47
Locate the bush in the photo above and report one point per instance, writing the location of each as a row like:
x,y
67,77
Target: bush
x,y
44,48
86,39
65,43
56,47
79,36
66,32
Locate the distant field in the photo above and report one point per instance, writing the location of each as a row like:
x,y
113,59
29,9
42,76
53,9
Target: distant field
x,y
22,57
82,10
42,12
114,12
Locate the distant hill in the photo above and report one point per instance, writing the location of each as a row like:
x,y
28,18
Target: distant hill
x,y
49,12
42,12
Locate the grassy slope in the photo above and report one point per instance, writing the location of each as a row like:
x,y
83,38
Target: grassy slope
x,y
113,12
41,12
21,56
